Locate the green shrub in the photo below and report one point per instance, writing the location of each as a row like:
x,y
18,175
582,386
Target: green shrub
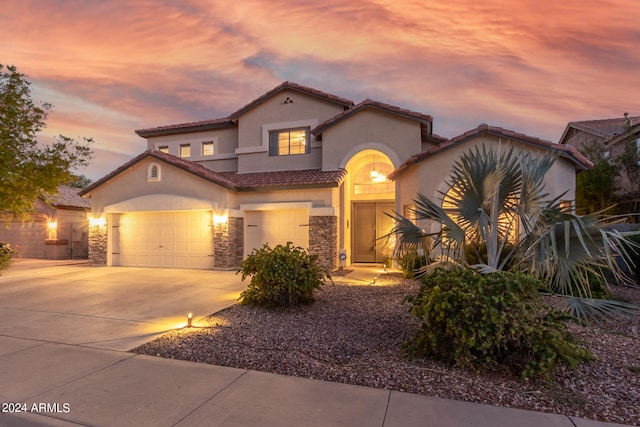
x,y
484,321
281,277
6,256
476,253
410,262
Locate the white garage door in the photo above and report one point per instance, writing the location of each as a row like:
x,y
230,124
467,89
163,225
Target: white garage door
x,y
164,239
276,227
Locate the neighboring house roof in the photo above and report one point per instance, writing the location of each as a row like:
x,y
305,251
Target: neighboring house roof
x,y
424,119
231,120
603,128
233,180
68,197
566,151
635,130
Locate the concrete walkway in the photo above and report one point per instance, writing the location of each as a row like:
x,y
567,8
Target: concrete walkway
x,y
71,384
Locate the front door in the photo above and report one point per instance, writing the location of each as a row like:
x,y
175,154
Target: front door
x,y
370,223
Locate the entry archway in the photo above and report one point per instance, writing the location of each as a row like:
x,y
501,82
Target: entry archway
x,y
370,196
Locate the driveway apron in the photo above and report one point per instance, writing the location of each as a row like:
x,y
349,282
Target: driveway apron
x,y
116,308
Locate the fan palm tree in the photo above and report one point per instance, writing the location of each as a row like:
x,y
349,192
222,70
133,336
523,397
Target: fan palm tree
x,y
498,201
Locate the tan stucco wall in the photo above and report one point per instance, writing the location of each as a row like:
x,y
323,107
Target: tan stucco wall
x,y
272,114
397,137
428,177
225,144
176,190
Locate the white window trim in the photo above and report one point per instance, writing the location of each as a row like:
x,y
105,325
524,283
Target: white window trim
x,y
269,127
213,145
184,145
151,178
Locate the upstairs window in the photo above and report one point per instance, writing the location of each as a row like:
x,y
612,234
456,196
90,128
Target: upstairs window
x,y
185,150
207,148
289,142
164,149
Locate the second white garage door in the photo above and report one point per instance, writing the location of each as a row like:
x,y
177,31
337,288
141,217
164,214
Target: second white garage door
x,y
276,227
164,239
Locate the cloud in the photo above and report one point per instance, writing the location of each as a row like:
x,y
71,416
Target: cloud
x,y
532,66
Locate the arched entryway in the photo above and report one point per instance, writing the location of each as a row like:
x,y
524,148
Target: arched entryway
x,y
370,196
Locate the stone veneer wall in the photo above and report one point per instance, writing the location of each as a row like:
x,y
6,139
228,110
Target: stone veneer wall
x,y
98,244
228,244
323,239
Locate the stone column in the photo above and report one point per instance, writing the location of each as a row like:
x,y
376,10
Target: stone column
x,y
228,244
98,244
323,239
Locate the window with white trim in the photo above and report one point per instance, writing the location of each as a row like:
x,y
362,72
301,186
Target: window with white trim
x,y
289,142
207,148
185,150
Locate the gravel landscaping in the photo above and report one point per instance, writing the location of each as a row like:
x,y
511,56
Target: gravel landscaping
x,y
353,334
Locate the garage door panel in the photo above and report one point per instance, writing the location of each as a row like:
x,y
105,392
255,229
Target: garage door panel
x,y
276,227
165,239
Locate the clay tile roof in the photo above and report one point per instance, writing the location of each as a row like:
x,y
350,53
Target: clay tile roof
x,y
183,164
68,197
346,103
369,103
296,178
187,127
566,151
233,180
231,121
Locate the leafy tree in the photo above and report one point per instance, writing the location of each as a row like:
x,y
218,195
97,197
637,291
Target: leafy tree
x,y
78,181
498,202
595,188
629,159
28,168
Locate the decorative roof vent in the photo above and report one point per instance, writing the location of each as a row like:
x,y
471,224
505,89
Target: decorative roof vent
x,y
287,100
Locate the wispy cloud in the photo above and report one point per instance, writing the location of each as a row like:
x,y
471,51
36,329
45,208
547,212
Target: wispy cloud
x,y
111,67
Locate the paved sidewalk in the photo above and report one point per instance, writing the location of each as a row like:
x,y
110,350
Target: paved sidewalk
x,y
76,382
68,385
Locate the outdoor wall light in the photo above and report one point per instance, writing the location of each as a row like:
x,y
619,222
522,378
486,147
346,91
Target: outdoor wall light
x,y
53,225
97,221
189,320
220,219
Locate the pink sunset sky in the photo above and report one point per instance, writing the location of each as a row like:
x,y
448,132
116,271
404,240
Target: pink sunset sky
x,y
110,67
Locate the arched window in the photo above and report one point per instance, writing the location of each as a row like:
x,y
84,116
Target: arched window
x,y
153,172
372,179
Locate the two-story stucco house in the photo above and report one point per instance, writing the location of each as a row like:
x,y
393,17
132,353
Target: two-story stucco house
x,y
296,164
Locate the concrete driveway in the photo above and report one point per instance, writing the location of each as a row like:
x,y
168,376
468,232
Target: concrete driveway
x,y
115,308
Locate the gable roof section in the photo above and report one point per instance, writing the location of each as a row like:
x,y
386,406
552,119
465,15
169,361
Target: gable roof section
x,y
186,165
232,120
232,180
373,105
346,103
566,151
603,128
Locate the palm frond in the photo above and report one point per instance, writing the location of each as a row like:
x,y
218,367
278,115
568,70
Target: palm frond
x,y
598,310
